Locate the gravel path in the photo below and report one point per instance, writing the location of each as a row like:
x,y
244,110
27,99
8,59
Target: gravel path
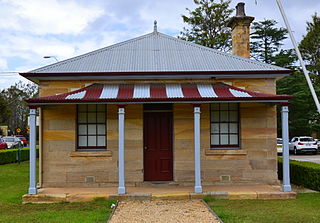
x,y
162,211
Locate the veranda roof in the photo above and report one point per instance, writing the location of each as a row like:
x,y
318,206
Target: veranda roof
x,y
153,93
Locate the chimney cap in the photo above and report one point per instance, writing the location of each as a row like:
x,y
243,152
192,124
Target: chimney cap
x,y
240,16
240,12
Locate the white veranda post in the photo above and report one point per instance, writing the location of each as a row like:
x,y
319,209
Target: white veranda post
x,y
286,187
121,188
197,157
32,151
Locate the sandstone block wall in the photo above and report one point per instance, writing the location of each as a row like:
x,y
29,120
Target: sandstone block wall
x,y
63,166
254,163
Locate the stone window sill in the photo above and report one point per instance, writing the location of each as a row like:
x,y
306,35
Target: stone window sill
x,y
106,153
226,152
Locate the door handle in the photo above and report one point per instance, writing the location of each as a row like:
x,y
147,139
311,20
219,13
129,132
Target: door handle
x,y
145,148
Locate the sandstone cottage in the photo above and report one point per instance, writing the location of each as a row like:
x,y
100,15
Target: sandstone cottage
x,y
158,109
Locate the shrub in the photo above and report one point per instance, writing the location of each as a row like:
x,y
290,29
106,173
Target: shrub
x,y
11,155
306,174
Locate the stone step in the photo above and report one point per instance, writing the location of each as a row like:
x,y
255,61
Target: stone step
x,y
85,197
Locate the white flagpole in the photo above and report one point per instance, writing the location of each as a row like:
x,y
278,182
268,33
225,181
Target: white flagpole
x,y
314,95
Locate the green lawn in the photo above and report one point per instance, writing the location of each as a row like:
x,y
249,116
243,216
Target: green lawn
x,y
304,209
14,183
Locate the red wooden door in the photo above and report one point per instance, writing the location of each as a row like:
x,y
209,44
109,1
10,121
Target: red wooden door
x,y
158,158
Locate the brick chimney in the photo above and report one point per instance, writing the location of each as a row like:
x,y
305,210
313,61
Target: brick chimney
x,y
240,31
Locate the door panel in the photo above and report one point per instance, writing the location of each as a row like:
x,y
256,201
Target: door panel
x,y
158,158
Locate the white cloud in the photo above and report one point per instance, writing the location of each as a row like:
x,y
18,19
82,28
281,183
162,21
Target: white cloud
x,y
49,16
3,64
167,13
31,29
9,80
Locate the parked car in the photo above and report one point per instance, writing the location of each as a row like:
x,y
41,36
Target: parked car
x,y
23,139
12,142
20,142
303,144
318,141
3,144
279,145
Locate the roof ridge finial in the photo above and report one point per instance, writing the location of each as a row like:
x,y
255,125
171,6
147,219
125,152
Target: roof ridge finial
x,y
155,26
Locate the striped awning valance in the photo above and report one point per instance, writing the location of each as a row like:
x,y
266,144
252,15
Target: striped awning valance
x,y
125,93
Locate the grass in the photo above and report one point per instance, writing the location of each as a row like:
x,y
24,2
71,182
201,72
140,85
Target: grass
x,y
14,183
303,209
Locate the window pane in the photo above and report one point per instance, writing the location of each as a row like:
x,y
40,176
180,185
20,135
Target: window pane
x,y
224,106
214,139
215,116
215,107
82,108
93,134
92,117
224,140
233,128
233,106
92,108
82,140
101,129
82,118
224,116
214,128
224,128
82,129
101,118
92,141
92,129
233,139
233,116
101,141
101,108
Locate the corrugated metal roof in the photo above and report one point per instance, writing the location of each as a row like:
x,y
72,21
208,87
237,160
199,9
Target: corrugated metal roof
x,y
126,93
155,52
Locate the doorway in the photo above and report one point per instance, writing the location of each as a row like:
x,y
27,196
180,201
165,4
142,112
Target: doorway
x,y
158,142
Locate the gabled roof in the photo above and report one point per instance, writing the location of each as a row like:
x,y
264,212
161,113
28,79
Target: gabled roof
x,y
156,52
152,93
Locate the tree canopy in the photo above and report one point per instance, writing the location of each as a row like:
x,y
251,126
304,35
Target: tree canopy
x,y
310,45
266,40
12,102
304,118
207,24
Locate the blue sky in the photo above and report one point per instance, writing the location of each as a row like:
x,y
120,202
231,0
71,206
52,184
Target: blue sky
x,y
31,29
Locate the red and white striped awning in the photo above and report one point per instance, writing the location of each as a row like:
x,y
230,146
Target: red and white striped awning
x,y
141,93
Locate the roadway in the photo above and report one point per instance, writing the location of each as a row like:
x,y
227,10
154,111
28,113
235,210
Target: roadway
x,y
306,157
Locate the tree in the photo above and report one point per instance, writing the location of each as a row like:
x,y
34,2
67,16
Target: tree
x,y
208,24
15,97
4,110
266,40
304,118
310,46
285,58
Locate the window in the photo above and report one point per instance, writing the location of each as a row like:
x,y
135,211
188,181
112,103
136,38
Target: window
x,y
224,125
91,127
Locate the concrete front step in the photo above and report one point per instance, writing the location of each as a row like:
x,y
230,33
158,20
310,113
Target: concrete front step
x,y
85,197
